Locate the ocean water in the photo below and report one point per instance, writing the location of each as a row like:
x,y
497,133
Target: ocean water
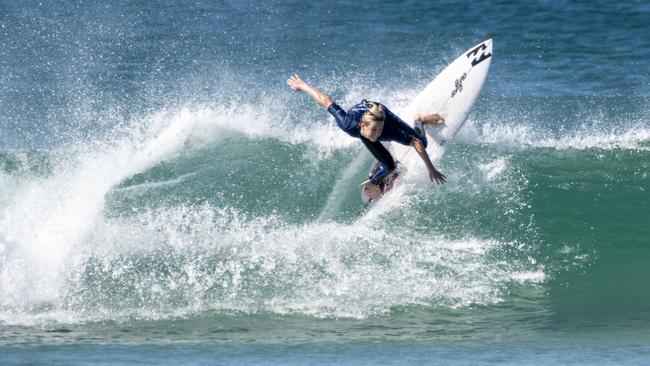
x,y
165,198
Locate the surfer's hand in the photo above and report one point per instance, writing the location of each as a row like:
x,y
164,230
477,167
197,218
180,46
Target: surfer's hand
x,y
436,176
296,83
373,191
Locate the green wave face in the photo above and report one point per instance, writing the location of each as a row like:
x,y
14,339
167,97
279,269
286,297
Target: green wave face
x,y
266,226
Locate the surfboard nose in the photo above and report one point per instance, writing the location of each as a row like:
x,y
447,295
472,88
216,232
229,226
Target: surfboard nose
x,y
488,43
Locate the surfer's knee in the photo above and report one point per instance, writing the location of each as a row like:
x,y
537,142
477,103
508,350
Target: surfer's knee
x,y
383,171
389,166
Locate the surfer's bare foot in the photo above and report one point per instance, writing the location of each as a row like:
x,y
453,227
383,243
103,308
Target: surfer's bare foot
x,y
432,118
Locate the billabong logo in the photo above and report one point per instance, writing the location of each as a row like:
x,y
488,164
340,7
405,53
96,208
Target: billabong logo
x,y
459,84
484,56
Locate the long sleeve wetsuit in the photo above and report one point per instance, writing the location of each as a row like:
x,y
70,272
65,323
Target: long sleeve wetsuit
x,y
394,130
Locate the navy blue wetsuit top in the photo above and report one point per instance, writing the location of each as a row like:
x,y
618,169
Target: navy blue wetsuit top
x,y
394,130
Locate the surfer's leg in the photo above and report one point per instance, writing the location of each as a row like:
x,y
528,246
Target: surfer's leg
x,y
383,156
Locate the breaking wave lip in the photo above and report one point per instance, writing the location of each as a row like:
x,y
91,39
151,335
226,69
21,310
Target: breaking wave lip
x,y
526,136
54,228
320,270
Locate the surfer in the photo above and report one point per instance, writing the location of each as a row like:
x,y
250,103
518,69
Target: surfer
x,y
372,122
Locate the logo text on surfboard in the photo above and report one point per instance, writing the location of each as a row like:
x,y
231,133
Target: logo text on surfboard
x,y
459,84
475,53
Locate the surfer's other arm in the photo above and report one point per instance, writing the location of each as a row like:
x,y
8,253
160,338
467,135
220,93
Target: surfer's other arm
x,y
297,84
434,175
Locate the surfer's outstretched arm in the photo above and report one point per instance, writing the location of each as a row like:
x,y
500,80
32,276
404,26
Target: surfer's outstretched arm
x,y
433,173
297,84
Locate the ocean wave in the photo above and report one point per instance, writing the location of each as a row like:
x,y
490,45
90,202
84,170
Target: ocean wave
x,y
70,253
186,260
527,136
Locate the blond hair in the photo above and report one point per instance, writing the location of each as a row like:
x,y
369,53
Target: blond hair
x,y
374,114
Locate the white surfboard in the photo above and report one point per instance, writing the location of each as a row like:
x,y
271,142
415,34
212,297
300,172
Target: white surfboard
x,y
451,94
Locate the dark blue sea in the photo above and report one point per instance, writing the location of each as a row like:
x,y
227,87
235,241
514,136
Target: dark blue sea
x,y
166,198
